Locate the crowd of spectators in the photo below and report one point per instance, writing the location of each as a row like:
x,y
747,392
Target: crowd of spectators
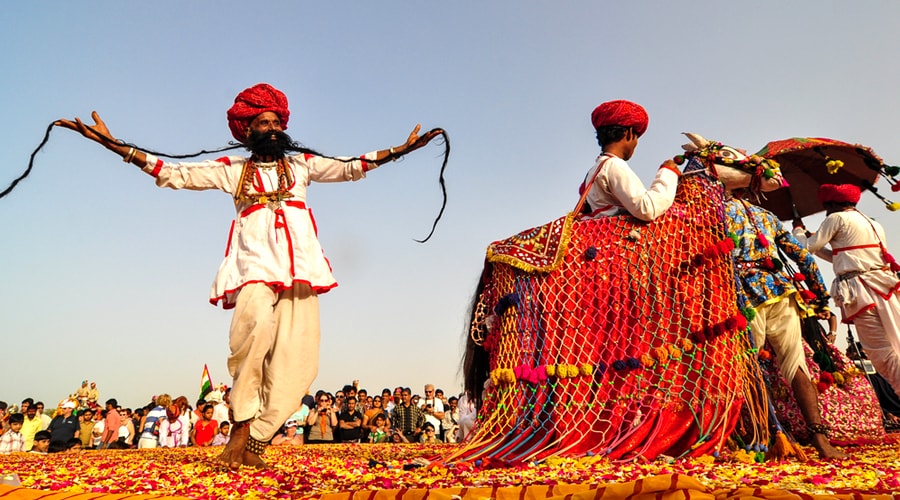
x,y
348,415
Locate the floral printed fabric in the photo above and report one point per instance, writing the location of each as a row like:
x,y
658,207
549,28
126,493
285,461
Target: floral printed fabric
x,y
851,409
760,234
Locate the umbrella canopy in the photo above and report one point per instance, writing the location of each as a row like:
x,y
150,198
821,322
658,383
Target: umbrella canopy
x,y
807,163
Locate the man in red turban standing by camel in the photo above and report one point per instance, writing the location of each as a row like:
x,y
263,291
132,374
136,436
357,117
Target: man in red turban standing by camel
x,y
274,268
866,286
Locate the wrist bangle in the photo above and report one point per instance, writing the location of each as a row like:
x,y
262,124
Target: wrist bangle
x,y
130,156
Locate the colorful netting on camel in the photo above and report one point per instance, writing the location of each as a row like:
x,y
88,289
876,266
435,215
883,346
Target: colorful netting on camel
x,y
627,342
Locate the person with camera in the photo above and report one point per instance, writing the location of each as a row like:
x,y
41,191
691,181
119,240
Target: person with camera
x,y
322,421
433,407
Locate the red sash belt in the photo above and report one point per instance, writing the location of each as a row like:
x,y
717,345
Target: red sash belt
x,y
253,208
835,251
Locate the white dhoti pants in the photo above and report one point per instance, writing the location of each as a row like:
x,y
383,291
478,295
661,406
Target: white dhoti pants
x,y
274,342
879,333
779,323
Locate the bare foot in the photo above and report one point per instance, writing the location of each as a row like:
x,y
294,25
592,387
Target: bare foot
x,y
252,459
232,455
823,446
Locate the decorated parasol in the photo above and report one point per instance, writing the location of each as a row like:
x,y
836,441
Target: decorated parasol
x,y
808,162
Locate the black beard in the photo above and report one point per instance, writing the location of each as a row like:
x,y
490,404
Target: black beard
x,y
272,143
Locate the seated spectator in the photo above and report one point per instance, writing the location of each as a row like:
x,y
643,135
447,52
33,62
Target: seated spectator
x,y
467,415
111,424
64,426
127,429
433,407
97,432
86,428
136,417
117,445
12,440
322,421
397,437
350,421
4,425
407,417
439,393
450,423
93,396
41,443
223,435
378,432
290,436
206,428
74,445
56,447
389,401
173,433
429,434
197,413
152,420
338,401
302,411
369,415
363,402
220,409
32,424
81,394
45,419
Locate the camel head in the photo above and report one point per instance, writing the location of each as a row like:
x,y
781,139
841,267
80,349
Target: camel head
x,y
732,166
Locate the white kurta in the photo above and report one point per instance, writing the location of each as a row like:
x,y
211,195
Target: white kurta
x,y
863,275
617,189
273,255
277,246
867,291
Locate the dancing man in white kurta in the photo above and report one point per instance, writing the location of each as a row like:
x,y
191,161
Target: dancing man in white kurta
x,y
274,268
866,286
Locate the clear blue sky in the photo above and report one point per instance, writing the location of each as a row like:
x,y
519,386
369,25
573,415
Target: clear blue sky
x,y
106,277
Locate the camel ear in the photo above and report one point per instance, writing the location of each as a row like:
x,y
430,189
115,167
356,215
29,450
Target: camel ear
x,y
697,142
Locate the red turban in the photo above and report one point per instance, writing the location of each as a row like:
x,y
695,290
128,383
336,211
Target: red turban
x,y
252,102
839,193
622,113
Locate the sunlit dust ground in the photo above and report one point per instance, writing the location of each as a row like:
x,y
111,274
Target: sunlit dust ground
x,y
315,470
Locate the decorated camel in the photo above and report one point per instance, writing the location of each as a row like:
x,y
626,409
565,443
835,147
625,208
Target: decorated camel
x,y
617,337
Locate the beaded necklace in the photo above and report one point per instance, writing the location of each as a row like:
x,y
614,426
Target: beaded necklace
x,y
273,198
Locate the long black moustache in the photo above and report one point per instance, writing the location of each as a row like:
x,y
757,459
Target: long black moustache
x,y
263,144
290,145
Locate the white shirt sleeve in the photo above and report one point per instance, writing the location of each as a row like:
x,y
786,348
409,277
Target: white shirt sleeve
x,y
644,203
817,241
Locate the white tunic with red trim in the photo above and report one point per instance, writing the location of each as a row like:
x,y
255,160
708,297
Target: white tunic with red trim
x,y
864,279
271,244
616,190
